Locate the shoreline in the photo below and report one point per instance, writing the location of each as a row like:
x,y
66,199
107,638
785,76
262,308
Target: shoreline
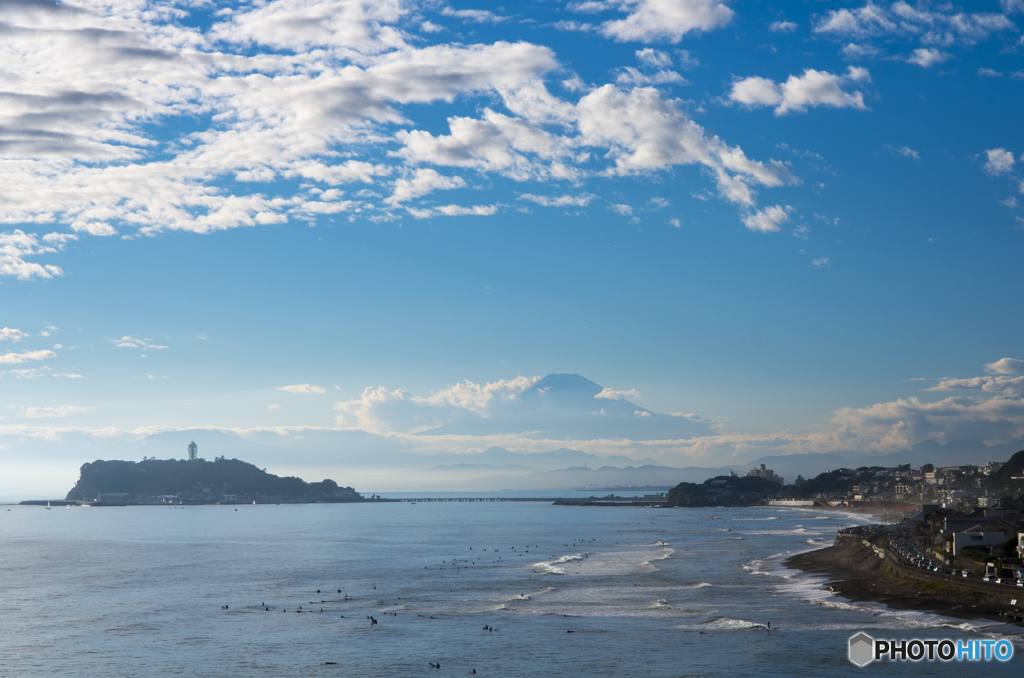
x,y
857,574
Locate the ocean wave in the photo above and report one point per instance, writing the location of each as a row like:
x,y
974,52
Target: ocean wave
x,y
724,624
698,585
552,566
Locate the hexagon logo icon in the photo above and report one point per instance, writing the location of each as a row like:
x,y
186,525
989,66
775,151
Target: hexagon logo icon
x,y
862,649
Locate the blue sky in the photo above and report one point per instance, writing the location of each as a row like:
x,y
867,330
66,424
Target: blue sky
x,y
798,223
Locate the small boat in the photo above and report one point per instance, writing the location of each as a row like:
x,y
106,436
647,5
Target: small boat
x,y
253,502
47,506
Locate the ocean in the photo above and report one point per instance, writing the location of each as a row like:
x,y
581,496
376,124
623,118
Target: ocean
x,y
287,591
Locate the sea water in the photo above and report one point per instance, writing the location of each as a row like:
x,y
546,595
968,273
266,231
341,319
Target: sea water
x,y
562,591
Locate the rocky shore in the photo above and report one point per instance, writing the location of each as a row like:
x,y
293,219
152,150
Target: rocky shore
x,y
861,576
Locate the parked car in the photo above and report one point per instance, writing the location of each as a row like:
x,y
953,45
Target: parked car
x,y
990,578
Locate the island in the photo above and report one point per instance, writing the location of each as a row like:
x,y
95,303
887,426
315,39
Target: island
x,y
197,481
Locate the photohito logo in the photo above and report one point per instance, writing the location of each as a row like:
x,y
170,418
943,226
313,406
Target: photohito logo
x,y
864,649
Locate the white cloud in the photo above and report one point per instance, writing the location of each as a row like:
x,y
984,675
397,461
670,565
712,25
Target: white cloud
x,y
908,152
940,24
308,389
768,219
646,132
1002,385
812,88
15,246
93,228
133,342
379,410
310,91
783,27
624,210
654,58
50,412
666,20
1012,6
423,182
926,57
561,201
853,50
1006,366
273,407
989,73
495,143
820,263
25,356
905,422
59,238
611,394
640,414
475,16
631,76
1000,161
11,334
474,210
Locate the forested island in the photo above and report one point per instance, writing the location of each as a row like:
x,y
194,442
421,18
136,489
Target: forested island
x,y
723,491
172,481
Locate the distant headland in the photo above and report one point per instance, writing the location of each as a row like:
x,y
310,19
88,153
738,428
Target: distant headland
x,y
197,481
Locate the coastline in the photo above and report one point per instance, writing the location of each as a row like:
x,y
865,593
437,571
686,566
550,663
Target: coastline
x,y
857,574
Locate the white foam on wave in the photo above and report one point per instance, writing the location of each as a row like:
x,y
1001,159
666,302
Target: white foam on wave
x,y
723,624
813,588
698,585
628,561
557,566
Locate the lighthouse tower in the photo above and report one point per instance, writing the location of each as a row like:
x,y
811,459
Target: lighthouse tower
x,y
192,450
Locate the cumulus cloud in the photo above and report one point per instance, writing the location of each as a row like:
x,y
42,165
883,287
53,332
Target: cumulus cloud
x,y
782,27
25,357
15,246
940,24
383,411
906,422
631,76
768,220
308,389
1006,366
654,58
812,88
50,412
926,57
1000,161
312,92
423,182
494,143
1002,385
666,20
611,394
647,132
10,334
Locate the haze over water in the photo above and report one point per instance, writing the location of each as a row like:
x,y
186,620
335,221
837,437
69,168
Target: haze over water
x,y
687,592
